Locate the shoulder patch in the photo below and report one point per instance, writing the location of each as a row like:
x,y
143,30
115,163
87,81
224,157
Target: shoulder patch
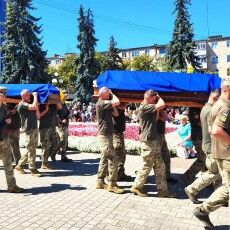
x,y
223,117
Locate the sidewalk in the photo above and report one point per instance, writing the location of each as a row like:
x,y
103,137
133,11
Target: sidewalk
x,y
66,198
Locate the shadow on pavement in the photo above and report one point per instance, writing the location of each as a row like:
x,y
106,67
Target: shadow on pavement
x,y
85,167
51,189
221,227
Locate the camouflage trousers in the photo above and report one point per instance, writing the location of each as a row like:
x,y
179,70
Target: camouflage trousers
x,y
63,138
49,142
210,176
14,135
31,142
165,155
5,153
221,195
108,159
151,154
119,147
198,165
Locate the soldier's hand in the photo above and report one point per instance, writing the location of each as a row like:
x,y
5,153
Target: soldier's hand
x,y
8,120
34,94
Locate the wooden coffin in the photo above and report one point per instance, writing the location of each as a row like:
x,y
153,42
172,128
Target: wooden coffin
x,y
171,99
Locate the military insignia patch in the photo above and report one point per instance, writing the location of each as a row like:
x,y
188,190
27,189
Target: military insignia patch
x,y
223,117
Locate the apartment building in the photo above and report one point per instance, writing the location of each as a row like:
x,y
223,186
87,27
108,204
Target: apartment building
x,y
213,53
55,61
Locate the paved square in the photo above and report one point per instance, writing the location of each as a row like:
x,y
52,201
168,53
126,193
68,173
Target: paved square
x,y
66,198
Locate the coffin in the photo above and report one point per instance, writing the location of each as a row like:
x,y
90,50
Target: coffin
x,y
46,92
177,89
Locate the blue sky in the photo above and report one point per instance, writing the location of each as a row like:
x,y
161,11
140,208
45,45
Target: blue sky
x,y
133,23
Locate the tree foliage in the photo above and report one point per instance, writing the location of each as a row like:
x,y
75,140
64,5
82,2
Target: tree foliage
x,y
87,68
113,60
181,48
143,62
24,61
67,72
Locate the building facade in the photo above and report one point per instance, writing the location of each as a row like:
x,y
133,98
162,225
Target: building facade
x,y
213,53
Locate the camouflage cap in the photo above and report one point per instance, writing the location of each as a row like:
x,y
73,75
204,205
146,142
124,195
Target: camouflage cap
x,y
225,82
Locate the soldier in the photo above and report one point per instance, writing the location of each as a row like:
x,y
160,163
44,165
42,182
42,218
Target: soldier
x,y
105,134
119,142
196,137
13,130
29,114
5,151
212,174
164,148
150,147
219,122
48,133
63,125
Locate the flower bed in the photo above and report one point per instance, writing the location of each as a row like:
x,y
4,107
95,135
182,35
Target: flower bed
x,y
82,137
90,129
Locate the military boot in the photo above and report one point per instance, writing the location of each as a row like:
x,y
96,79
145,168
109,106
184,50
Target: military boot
x,y
64,158
101,185
15,189
166,194
203,216
191,196
20,169
121,176
139,192
113,187
35,172
46,166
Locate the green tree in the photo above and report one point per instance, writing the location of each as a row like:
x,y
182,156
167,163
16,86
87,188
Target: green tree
x,y
113,60
87,68
127,64
163,64
67,72
181,48
24,61
143,62
101,62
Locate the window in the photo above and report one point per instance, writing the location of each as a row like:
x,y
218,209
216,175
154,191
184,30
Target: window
x,y
147,52
214,59
228,58
123,55
228,72
201,46
202,59
214,45
135,53
228,43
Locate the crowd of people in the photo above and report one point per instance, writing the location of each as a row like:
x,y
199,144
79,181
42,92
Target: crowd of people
x,y
208,130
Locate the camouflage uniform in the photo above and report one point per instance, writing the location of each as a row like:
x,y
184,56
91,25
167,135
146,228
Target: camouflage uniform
x,y
150,150
211,175
29,126
13,130
49,141
196,136
164,147
119,125
119,147
165,155
48,134
220,115
31,142
5,151
63,137
105,136
62,130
